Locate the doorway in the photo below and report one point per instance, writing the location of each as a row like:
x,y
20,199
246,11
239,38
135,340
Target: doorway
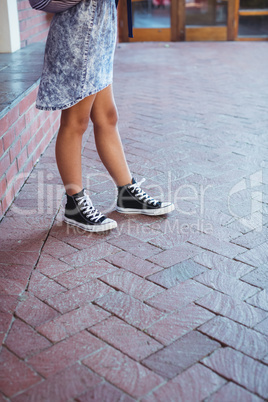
x,y
178,20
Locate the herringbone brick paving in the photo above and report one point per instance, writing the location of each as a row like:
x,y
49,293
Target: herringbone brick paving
x,y
171,308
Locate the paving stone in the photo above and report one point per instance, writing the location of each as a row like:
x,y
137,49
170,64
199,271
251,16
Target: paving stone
x,y
10,287
227,284
265,359
57,248
258,277
241,369
262,327
232,308
178,273
169,240
232,392
133,264
16,376
79,296
22,258
256,256
203,383
78,276
14,278
5,322
220,232
28,223
35,312
212,144
135,246
236,335
74,236
211,243
129,309
19,245
62,386
260,300
65,353
43,287
89,254
175,255
178,296
122,336
51,266
178,324
128,375
8,303
24,341
132,284
72,322
142,232
223,264
104,392
180,355
252,239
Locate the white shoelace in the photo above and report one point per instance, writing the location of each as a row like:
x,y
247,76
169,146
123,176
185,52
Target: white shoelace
x,y
88,209
140,194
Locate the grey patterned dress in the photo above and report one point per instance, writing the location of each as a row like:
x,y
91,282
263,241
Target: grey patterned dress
x,y
79,54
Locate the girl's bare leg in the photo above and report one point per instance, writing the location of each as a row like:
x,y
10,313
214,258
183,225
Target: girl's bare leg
x,y
104,117
74,122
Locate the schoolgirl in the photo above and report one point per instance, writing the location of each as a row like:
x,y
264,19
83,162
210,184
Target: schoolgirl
x,y
77,79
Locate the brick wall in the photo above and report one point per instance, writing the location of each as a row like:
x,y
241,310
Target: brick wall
x,y
33,24
25,132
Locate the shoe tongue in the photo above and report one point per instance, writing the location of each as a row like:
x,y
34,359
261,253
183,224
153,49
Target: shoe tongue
x,y
80,194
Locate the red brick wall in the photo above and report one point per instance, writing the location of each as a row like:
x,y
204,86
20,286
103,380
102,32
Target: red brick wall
x,y
25,132
33,24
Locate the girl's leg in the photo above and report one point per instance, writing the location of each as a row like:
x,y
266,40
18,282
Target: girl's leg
x,y
74,122
104,117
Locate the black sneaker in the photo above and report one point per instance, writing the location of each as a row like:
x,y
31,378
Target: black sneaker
x,y
79,211
133,200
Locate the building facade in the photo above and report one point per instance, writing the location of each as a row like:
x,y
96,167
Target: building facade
x,y
195,20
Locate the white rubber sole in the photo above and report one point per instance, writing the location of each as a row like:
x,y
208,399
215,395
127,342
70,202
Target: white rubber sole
x,y
94,228
153,212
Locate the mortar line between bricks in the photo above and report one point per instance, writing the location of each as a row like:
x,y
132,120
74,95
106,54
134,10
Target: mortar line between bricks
x,y
236,259
120,318
218,389
51,226
185,369
115,347
225,345
222,315
24,361
140,277
212,251
40,252
232,379
105,379
28,283
238,279
33,328
76,398
21,392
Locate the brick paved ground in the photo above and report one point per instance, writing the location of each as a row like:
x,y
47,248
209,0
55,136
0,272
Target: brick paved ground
x,y
162,309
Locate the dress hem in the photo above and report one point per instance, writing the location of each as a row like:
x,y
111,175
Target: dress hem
x,y
70,104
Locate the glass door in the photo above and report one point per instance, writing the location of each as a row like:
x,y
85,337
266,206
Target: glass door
x,y
152,20
209,20
252,19
179,20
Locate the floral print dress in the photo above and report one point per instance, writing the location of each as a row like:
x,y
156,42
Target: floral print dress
x,y
79,54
